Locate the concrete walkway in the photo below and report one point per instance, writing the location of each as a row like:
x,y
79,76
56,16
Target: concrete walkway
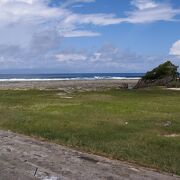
x,y
24,158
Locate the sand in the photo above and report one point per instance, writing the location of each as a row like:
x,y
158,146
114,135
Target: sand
x,y
69,85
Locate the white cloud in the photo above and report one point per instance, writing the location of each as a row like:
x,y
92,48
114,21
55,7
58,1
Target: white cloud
x,y
66,57
31,32
144,4
30,11
39,13
69,24
107,59
71,2
145,11
96,19
43,54
148,11
175,49
79,33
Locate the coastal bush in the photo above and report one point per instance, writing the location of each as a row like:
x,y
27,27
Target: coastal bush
x,y
165,74
165,70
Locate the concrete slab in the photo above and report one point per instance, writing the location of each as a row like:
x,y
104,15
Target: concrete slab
x,y
25,158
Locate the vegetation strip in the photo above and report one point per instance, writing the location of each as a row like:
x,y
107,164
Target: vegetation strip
x,y
131,125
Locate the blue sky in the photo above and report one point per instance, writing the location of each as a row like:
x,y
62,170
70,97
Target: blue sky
x,y
65,36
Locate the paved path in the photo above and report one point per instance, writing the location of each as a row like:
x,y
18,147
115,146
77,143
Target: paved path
x,y
24,158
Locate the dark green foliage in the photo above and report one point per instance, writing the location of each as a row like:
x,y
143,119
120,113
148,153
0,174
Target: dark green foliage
x,y
165,70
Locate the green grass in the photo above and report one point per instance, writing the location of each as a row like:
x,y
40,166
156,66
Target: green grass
x,y
128,125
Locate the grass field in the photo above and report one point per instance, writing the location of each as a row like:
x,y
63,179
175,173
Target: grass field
x,y
131,125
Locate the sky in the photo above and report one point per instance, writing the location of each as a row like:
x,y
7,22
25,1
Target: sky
x,y
88,36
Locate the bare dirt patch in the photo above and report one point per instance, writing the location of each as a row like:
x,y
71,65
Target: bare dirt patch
x,y
174,89
172,135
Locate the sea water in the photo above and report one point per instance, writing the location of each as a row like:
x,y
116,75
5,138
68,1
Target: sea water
x,y
72,76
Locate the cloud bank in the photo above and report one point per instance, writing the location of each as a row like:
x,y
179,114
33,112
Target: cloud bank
x,y
39,29
175,49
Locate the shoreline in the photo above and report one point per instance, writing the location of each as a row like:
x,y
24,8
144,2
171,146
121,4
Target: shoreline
x,y
65,79
70,84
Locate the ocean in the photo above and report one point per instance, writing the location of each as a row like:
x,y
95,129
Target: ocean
x,y
73,76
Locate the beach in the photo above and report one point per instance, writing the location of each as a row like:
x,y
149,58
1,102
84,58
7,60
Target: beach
x,y
69,84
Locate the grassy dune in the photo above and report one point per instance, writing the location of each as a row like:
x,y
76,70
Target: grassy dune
x,y
130,125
